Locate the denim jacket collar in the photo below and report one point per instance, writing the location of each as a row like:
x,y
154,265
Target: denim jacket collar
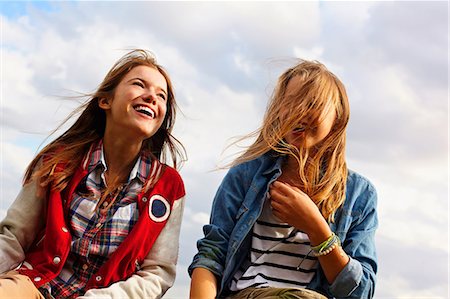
x,y
275,161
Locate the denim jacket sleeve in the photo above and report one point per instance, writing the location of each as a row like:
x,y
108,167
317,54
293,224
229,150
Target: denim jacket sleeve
x,y
356,227
212,249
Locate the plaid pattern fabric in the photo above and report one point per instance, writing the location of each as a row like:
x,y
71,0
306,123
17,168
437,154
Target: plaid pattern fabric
x,y
97,232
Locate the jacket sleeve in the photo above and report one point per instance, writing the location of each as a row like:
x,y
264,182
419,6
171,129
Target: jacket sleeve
x,y
157,273
23,221
212,249
357,279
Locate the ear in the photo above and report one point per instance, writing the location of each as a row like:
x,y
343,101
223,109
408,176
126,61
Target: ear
x,y
104,103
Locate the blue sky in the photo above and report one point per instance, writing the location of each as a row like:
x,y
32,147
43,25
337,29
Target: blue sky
x,y
224,58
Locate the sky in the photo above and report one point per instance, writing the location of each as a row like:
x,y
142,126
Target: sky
x,y
224,59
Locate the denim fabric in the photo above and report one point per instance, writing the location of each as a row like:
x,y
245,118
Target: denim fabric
x,y
238,203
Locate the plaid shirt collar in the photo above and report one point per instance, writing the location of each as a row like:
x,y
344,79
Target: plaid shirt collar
x,y
139,171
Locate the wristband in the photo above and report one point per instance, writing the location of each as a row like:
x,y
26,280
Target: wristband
x,y
326,246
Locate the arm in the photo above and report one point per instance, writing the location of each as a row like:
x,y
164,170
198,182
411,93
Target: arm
x,y
157,274
24,219
203,284
293,206
208,263
349,270
358,278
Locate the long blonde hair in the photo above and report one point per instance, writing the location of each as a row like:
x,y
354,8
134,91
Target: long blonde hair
x,y
71,147
323,175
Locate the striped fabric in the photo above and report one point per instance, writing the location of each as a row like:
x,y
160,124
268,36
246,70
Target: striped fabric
x,y
96,233
277,251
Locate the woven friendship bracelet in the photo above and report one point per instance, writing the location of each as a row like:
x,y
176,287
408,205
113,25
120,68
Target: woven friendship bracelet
x,y
326,246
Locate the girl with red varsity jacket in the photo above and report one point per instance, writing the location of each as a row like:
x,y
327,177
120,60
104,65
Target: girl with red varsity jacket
x,y
99,214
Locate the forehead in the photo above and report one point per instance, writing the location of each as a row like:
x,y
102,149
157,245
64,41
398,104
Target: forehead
x,y
312,108
148,74
292,86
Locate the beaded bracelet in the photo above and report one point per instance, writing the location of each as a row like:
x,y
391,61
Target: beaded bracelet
x,y
326,246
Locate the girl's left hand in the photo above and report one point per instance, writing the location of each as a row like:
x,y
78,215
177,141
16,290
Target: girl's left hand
x,y
293,206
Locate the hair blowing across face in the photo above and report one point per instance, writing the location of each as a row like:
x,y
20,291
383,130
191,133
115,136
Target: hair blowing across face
x,y
322,168
71,147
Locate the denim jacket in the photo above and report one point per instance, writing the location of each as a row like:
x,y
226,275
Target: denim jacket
x,y
238,204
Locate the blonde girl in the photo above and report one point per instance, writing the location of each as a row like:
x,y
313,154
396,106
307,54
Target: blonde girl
x,y
289,219
99,213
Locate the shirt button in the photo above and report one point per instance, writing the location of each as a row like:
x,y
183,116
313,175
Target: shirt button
x,y
105,204
85,267
37,278
98,225
56,260
64,229
98,278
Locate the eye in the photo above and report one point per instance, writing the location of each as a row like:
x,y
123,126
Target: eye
x,y
138,83
162,96
300,129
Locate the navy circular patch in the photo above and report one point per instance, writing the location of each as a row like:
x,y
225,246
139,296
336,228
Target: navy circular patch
x,y
159,208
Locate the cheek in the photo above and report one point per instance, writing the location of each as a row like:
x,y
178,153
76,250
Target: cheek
x,y
323,132
163,111
295,139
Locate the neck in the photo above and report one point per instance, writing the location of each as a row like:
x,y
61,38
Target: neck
x,y
120,156
291,165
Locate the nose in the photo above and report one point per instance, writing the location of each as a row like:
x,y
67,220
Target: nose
x,y
150,97
152,100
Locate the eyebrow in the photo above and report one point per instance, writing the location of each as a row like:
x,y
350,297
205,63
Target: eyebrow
x,y
146,83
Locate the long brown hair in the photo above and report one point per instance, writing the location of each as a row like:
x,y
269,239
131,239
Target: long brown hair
x,y
323,175
71,147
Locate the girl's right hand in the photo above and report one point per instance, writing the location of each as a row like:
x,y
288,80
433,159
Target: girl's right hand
x,y
293,206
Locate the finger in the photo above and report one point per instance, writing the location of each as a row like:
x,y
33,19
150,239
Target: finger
x,y
276,205
276,194
287,188
275,187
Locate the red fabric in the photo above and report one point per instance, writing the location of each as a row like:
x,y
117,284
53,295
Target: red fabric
x,y
43,256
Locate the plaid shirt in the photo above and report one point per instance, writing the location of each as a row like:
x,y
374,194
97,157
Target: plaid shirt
x,y
97,232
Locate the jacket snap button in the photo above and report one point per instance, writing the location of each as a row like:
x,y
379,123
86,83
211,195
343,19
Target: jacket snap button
x,y
144,199
98,278
64,229
37,278
56,260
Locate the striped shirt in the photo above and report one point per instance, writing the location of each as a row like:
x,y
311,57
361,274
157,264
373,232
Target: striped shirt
x,y
279,256
97,232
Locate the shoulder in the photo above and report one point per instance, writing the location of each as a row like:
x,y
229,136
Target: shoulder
x,y
359,183
171,172
170,180
361,193
261,164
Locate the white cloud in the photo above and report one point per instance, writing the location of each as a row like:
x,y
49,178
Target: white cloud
x,y
315,53
219,56
394,286
13,161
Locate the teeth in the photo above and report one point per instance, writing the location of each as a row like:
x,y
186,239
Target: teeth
x,y
145,110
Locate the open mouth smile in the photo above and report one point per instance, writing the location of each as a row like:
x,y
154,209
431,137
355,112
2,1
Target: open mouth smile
x,y
145,110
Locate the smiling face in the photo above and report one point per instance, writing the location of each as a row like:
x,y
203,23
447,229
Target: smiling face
x,y
139,104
